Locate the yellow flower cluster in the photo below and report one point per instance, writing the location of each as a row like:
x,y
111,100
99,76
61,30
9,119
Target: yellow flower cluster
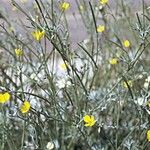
x,y
4,97
89,120
25,107
38,35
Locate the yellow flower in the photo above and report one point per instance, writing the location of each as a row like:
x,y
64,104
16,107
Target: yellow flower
x,y
89,120
100,28
129,83
4,97
126,43
113,61
103,1
148,103
65,6
25,107
63,66
148,135
38,35
18,52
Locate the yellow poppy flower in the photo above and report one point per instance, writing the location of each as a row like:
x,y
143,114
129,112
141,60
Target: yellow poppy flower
x,y
4,97
148,135
89,120
100,28
113,61
18,52
65,6
25,107
38,35
126,43
103,1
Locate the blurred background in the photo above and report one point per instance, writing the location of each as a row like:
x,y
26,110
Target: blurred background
x,y
75,24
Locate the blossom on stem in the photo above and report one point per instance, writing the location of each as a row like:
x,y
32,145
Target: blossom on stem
x,y
103,2
18,52
89,120
38,35
65,6
4,97
101,28
126,43
25,107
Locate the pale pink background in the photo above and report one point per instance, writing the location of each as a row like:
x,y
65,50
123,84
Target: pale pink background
x,y
77,31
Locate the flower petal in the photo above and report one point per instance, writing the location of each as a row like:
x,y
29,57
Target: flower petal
x,y
87,125
87,118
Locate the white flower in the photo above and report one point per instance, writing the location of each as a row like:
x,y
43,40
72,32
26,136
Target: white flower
x,y
50,146
140,101
62,83
99,129
148,79
42,117
146,85
140,76
86,41
33,76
